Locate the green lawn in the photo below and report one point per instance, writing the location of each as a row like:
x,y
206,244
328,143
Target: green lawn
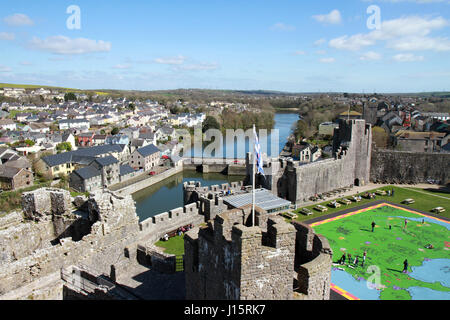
x,y
387,248
424,202
174,246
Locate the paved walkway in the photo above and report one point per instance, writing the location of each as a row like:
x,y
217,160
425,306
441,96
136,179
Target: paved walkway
x,y
423,192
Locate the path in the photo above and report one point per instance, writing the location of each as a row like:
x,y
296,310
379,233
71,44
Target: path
x,y
423,192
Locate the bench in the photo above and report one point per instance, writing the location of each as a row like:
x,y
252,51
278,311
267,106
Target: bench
x,y
356,199
345,201
408,201
306,212
321,208
334,204
174,233
381,192
289,215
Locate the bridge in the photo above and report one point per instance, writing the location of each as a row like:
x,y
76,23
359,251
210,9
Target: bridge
x,y
216,165
212,161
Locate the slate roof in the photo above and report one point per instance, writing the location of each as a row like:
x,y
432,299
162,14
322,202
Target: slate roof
x,y
148,150
87,172
125,169
106,161
9,172
80,154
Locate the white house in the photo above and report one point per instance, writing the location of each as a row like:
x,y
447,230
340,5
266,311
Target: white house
x,y
7,124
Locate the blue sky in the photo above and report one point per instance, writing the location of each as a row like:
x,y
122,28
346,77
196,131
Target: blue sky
x,y
296,46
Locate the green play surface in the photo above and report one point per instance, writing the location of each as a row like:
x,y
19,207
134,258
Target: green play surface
x,y
387,248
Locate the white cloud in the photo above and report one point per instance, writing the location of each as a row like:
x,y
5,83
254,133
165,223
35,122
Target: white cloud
x,y
67,46
122,66
18,20
334,17
327,60
199,67
407,57
319,42
370,56
406,33
300,53
172,61
282,27
7,36
5,68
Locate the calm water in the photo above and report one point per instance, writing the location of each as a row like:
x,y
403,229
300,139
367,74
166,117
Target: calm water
x,y
168,194
272,144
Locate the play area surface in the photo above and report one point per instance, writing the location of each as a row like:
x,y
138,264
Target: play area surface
x,y
389,235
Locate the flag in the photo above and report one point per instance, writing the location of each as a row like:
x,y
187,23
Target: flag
x,y
259,162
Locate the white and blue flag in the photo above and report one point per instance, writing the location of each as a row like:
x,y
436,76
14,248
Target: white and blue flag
x,y
259,162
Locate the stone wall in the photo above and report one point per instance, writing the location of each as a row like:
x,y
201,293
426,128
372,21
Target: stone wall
x,y
350,165
409,167
135,187
231,261
115,227
313,264
154,228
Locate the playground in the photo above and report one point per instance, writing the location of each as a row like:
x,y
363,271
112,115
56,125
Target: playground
x,y
389,234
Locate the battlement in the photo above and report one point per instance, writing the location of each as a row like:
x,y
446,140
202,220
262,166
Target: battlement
x,y
155,227
230,259
46,201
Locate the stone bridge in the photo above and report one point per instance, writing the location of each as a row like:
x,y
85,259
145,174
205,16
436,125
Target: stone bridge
x,y
216,165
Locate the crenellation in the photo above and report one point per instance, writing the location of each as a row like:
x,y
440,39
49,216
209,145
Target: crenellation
x,y
249,263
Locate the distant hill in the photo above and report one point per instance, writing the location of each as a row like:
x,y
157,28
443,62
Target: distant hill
x,y
31,86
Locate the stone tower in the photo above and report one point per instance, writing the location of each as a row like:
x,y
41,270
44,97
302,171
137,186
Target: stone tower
x,y
350,165
228,260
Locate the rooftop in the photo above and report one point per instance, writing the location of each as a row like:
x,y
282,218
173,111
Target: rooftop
x,y
263,199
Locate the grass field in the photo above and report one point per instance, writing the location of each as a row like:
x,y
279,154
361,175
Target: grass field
x,y
388,248
423,201
174,246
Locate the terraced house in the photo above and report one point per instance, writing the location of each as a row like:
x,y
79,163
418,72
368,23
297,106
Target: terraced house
x,y
64,164
145,158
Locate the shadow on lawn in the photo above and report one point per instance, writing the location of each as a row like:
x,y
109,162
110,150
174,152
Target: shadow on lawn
x,y
394,270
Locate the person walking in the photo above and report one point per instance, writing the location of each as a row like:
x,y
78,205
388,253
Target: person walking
x,y
405,266
406,223
364,258
373,226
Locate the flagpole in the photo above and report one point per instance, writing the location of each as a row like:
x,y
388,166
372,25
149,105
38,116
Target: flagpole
x,y
254,177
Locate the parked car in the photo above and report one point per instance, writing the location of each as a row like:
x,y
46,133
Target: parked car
x,y
152,173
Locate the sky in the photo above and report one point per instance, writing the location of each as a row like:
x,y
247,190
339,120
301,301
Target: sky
x,y
282,45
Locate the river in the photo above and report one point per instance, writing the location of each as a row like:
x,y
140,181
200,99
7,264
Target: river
x,y
168,194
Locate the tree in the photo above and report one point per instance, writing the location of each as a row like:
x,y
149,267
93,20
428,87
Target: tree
x,y
29,142
210,123
132,107
64,146
115,131
70,96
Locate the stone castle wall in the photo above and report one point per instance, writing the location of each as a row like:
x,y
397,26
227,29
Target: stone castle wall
x,y
409,167
350,165
114,228
229,260
155,227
